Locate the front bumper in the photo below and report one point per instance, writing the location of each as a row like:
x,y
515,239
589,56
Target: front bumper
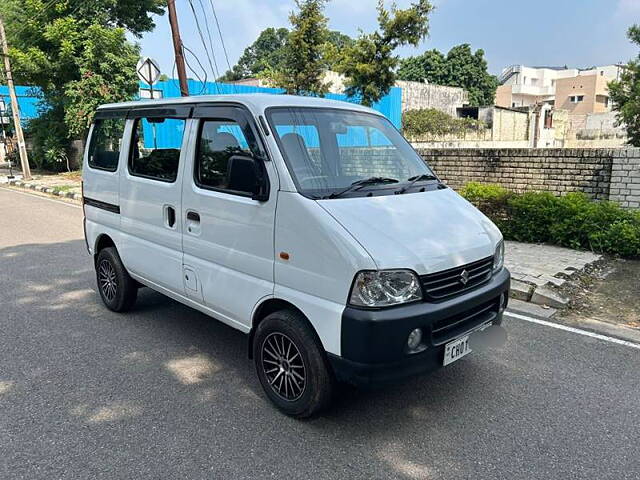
x,y
373,342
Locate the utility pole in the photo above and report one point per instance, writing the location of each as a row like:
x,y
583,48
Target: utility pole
x,y
177,47
22,148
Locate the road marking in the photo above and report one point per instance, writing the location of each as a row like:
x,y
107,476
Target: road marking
x,y
43,197
579,331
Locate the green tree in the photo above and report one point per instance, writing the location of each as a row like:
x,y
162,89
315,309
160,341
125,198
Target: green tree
x,y
304,63
266,53
625,93
369,64
76,51
107,75
431,66
461,67
336,43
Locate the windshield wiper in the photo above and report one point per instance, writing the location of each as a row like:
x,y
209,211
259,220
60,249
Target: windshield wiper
x,y
414,180
358,184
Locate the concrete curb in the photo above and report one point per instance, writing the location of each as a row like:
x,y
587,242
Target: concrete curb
x,y
73,197
537,295
621,332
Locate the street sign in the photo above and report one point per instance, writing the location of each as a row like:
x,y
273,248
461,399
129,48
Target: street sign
x,y
148,70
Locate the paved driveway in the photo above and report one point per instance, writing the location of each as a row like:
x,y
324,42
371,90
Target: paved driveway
x,y
165,392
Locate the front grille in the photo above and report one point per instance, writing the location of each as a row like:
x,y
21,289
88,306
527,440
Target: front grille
x,y
448,328
445,284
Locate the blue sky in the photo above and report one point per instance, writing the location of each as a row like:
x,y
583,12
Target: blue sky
x,y
577,33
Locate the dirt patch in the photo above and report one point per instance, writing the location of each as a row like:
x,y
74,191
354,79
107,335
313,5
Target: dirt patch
x,y
608,291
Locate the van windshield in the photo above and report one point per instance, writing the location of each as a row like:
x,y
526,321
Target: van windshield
x,y
335,153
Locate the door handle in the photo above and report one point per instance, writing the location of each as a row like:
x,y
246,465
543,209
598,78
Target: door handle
x,y
169,216
193,222
193,216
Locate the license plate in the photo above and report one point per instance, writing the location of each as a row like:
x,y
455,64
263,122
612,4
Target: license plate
x,y
456,350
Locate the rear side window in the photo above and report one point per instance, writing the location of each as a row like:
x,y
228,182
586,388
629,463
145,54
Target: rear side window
x,y
155,149
219,141
104,148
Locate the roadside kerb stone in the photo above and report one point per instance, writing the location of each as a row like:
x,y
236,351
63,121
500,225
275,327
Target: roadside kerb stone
x,y
521,290
549,297
75,197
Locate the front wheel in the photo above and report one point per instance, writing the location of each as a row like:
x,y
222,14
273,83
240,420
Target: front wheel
x,y
291,366
117,289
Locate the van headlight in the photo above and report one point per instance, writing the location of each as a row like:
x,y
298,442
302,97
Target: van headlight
x,y
498,257
383,288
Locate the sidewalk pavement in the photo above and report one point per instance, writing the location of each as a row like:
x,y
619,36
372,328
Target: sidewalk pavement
x,y
536,270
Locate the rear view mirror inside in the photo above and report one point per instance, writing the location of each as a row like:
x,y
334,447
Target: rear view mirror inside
x,y
339,128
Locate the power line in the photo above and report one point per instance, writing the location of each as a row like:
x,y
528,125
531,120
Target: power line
x,y
204,70
214,69
173,76
206,24
224,48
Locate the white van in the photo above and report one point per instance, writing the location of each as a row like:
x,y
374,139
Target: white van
x,y
310,225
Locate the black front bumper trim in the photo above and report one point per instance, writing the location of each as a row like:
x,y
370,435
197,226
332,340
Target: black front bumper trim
x,y
373,342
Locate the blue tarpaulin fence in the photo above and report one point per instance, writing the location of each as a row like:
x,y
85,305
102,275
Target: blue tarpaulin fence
x,y
28,100
390,106
168,135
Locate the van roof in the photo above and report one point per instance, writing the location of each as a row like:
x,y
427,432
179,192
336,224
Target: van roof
x,y
259,102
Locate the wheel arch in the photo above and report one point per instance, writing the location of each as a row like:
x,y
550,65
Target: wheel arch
x,y
103,241
269,306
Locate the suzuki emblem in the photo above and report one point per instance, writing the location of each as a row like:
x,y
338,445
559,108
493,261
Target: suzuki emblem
x,y
464,277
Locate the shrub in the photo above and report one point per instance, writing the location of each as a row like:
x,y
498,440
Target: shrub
x,y
434,123
531,215
573,220
622,237
492,200
49,135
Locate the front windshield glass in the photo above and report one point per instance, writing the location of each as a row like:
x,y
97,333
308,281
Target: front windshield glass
x,y
327,150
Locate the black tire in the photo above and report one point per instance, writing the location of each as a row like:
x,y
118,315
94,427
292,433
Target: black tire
x,y
297,398
117,289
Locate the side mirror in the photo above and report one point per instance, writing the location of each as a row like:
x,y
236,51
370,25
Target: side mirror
x,y
246,174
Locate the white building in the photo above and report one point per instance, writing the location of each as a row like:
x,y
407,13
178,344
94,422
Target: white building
x,y
523,86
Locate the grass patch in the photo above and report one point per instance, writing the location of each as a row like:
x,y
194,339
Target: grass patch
x,y
75,176
62,188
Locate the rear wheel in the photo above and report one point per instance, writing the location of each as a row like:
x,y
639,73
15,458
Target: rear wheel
x,y
117,289
291,364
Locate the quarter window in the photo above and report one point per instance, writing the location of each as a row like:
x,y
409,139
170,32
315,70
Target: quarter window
x,y
155,149
219,141
104,148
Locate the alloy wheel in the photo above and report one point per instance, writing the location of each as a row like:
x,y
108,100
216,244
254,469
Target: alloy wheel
x,y
283,366
108,280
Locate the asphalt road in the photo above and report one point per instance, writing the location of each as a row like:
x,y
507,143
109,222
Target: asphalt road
x,y
166,392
